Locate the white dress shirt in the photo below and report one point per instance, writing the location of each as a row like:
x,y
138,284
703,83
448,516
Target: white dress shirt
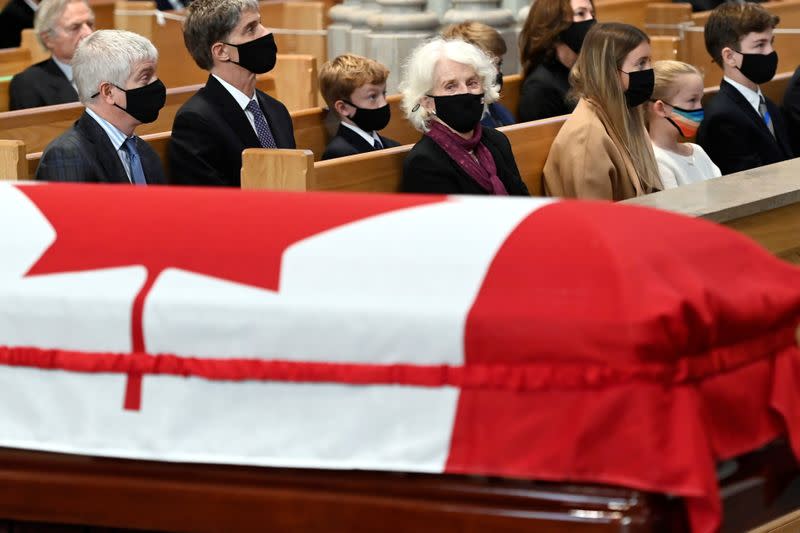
x,y
117,139
241,99
371,138
67,70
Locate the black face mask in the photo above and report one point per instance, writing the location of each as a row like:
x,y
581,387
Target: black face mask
x,y
259,55
499,81
759,68
574,35
144,103
462,112
640,86
370,119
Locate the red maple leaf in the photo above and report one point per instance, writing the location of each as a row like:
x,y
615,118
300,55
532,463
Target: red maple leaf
x,y
230,234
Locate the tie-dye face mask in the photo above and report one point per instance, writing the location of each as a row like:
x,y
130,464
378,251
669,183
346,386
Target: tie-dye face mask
x,y
686,120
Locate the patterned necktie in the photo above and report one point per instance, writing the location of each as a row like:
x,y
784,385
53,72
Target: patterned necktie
x,y
262,128
764,112
137,172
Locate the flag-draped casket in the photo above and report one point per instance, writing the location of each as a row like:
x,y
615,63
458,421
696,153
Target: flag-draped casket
x,y
527,338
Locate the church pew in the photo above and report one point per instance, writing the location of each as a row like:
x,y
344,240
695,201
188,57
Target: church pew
x,y
13,165
628,11
381,171
509,96
14,60
762,203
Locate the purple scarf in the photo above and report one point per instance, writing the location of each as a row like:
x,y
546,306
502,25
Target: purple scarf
x,y
484,170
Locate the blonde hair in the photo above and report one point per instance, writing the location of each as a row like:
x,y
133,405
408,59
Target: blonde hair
x,y
344,74
595,77
667,73
420,69
481,35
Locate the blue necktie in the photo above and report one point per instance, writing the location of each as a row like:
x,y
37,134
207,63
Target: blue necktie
x,y
137,172
764,112
262,128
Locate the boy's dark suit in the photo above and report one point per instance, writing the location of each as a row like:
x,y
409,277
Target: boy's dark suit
x,y
15,17
736,137
84,153
347,142
210,132
41,84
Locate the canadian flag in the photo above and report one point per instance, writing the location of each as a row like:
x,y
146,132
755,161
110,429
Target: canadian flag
x,y
517,337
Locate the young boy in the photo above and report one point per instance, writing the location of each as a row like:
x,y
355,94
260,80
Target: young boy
x,y
354,87
742,128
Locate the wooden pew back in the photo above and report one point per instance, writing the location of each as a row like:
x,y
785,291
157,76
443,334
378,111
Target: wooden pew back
x,y
628,11
14,60
381,171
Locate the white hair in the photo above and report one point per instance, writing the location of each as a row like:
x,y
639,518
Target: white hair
x,y
108,56
47,15
419,71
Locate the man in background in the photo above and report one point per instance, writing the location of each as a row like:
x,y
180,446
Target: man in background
x,y
60,25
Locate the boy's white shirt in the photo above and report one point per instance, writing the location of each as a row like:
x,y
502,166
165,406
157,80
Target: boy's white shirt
x,y
371,138
754,97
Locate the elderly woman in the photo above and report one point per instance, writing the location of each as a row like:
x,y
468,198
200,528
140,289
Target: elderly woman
x,y
446,88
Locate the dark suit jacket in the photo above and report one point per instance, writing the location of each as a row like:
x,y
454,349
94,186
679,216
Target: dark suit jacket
x,y
791,110
735,136
348,142
41,84
428,168
210,132
544,92
84,153
15,17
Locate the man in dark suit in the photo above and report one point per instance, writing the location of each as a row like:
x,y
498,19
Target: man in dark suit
x,y
101,146
229,114
60,25
742,128
354,87
16,16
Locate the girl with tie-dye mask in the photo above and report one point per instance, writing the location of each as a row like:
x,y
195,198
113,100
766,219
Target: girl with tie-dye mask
x,y
674,114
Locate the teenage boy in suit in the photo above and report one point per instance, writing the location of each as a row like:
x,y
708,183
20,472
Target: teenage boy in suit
x,y
742,128
229,114
354,87
60,26
100,146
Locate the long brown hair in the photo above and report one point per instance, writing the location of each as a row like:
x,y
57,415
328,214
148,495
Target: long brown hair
x,y
546,20
595,77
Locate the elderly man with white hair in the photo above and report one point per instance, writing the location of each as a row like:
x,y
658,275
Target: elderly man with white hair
x,y
446,88
60,26
116,76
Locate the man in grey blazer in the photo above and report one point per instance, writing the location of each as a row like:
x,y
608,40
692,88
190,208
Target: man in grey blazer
x,y
60,25
116,76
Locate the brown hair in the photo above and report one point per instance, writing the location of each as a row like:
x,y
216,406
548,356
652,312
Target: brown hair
x,y
595,77
481,35
211,21
546,20
729,23
344,74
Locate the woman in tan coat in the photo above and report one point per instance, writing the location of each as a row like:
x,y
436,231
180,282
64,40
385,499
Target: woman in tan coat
x,y
603,150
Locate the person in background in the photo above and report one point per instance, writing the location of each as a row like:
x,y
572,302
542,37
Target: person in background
x,y
791,110
549,43
16,16
116,76
354,87
492,43
742,128
229,114
446,87
60,26
602,151
674,114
